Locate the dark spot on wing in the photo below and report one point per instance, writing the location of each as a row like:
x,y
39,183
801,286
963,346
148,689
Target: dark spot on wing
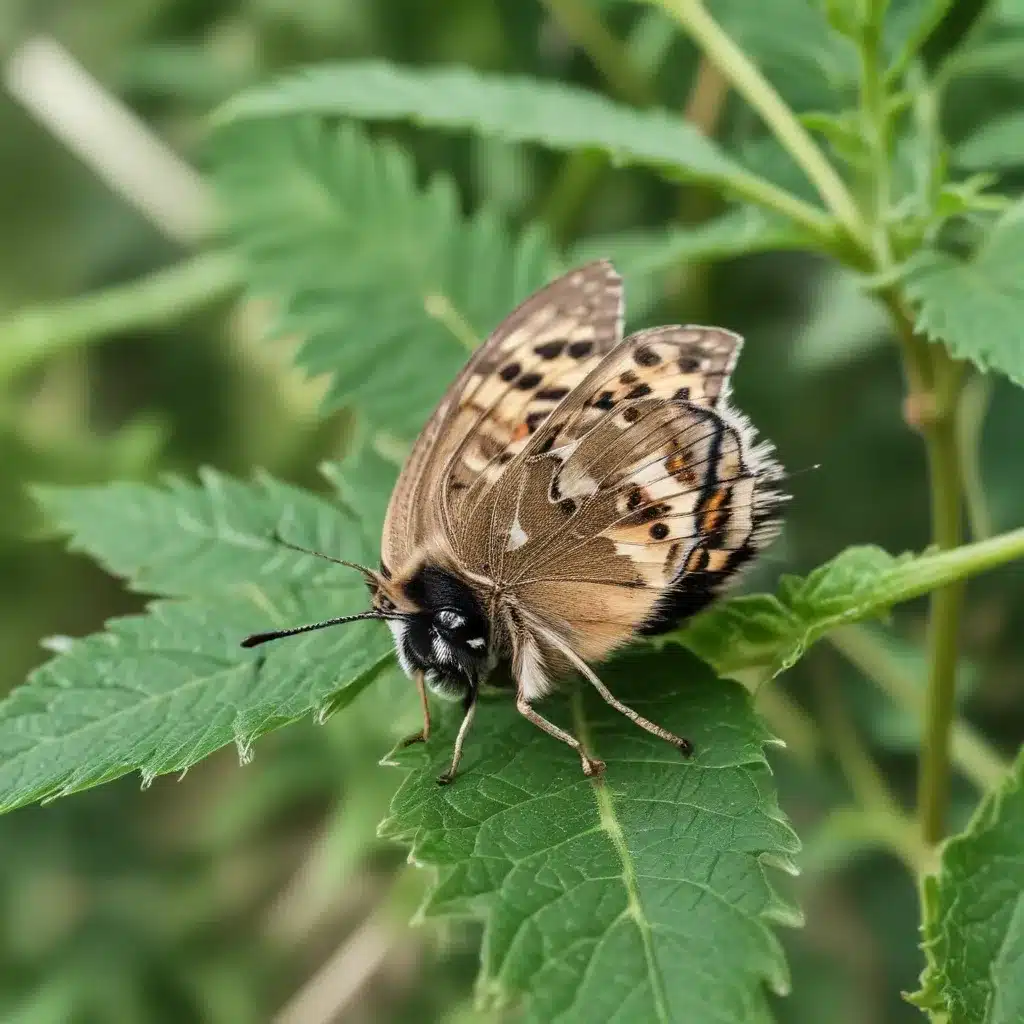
x,y
579,349
606,400
534,420
647,515
689,364
645,356
631,415
567,506
640,391
529,381
509,372
552,394
627,377
682,395
659,531
550,349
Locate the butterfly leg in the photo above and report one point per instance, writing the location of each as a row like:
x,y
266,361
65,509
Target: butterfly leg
x,y
684,746
424,734
469,706
591,765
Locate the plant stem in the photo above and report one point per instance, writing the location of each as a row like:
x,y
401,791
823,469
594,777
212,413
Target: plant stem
x,y
971,752
570,191
788,720
944,620
974,403
32,335
581,170
748,81
875,126
855,761
890,830
933,409
607,53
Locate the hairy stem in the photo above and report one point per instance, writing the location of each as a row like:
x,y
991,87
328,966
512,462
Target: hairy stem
x,y
748,81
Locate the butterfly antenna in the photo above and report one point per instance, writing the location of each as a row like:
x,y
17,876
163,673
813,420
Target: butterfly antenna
x,y
278,539
802,471
261,638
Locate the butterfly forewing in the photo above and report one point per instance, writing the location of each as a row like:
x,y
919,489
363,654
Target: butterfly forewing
x,y
543,350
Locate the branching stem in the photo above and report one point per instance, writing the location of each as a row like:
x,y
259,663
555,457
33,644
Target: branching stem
x,y
748,81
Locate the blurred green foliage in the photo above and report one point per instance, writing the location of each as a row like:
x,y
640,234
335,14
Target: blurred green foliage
x,y
223,897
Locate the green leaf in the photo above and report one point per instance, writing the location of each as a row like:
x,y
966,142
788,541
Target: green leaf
x,y
387,283
976,306
908,28
795,48
515,109
740,231
769,633
973,928
998,57
996,145
644,256
843,323
643,897
158,692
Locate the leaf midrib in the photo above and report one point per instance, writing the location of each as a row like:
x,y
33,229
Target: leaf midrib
x,y
611,825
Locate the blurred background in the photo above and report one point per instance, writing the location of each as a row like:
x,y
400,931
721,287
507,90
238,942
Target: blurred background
x,y
261,893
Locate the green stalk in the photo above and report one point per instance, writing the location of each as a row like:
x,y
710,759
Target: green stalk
x,y
946,605
607,53
32,335
933,409
971,752
974,403
748,81
580,171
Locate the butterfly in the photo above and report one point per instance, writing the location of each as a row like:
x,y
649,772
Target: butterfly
x,y
574,490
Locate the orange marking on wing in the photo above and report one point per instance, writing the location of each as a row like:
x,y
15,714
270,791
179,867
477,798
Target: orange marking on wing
x,y
696,559
676,465
714,514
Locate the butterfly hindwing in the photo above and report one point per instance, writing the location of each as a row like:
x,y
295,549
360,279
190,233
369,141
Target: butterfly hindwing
x,y
535,357
634,501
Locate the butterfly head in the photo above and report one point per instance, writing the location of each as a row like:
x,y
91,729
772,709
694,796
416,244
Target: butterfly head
x,y
439,625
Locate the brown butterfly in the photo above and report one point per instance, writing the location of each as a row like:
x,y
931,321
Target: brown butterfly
x,y
572,491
